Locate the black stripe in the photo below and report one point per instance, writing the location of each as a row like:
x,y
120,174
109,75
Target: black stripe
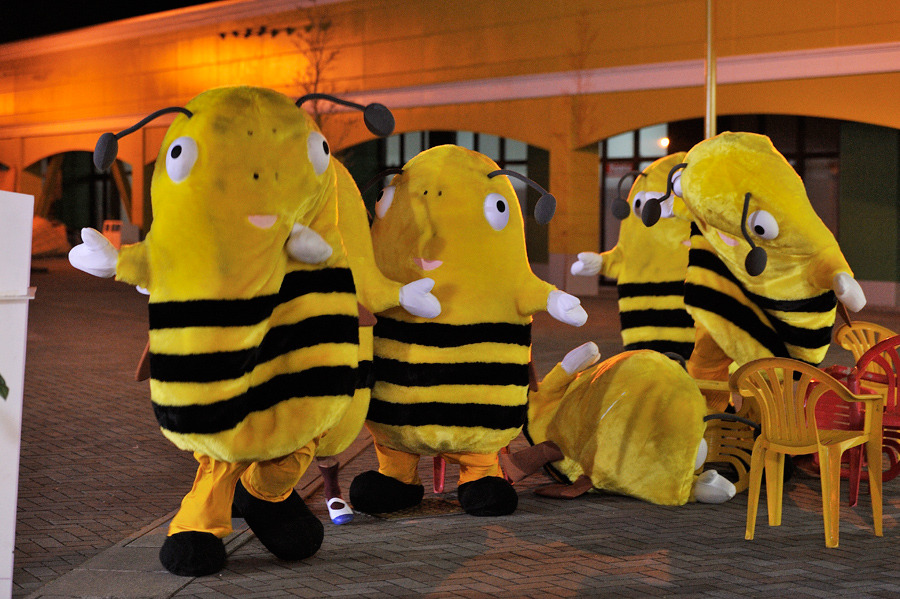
x,y
226,414
251,311
227,365
404,374
802,337
445,414
365,375
683,349
737,313
632,319
650,288
211,313
710,261
452,335
820,303
325,280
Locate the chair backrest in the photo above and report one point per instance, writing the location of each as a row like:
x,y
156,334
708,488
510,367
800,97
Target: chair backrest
x,y
877,370
786,392
858,336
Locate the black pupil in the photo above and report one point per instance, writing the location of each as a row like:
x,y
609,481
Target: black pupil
x,y
501,207
325,147
637,203
759,229
176,151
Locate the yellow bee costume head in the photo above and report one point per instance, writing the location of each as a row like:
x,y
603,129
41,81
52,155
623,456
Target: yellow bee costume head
x,y
455,386
764,272
649,267
254,327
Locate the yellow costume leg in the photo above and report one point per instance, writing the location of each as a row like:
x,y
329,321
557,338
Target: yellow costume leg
x,y
709,362
398,464
473,466
273,480
207,508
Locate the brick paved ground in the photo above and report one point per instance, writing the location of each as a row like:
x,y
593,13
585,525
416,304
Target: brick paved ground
x,y
95,471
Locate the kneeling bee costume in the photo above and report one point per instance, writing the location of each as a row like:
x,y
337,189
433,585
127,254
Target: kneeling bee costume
x,y
456,386
631,425
253,312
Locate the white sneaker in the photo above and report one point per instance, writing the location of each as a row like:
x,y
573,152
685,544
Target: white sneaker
x,y
340,512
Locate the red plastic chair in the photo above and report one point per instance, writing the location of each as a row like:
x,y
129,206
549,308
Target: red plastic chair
x,y
876,371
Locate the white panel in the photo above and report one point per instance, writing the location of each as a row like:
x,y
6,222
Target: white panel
x,y
16,214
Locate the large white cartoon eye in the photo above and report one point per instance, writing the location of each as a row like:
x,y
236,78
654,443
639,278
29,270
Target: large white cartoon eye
x,y
384,201
639,201
763,224
676,184
180,158
496,211
318,151
642,197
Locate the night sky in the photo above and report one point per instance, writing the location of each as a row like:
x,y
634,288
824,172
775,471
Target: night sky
x,y
24,19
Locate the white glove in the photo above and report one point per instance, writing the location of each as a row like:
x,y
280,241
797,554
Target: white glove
x,y
580,358
96,256
566,308
587,265
849,292
710,487
307,246
416,298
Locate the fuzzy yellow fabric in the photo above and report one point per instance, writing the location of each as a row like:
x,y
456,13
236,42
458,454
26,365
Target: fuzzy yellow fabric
x,y
457,383
375,292
789,308
649,264
252,355
632,424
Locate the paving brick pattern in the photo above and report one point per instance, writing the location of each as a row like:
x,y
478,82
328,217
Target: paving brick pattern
x,y
95,470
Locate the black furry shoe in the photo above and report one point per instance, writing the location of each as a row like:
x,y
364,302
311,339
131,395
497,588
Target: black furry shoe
x,y
286,528
192,553
374,493
488,496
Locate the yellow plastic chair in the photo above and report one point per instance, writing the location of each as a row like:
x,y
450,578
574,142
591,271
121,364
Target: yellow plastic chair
x,y
785,392
858,336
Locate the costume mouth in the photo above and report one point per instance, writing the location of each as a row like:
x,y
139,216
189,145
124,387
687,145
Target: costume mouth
x,y
427,265
730,241
262,221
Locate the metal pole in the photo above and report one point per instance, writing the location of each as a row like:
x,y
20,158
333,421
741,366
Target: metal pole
x,y
710,128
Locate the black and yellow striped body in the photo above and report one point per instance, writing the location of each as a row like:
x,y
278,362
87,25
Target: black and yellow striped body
x,y
255,378
653,316
449,387
748,324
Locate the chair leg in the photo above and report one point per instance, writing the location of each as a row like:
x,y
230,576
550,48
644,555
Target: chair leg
x,y
757,461
830,467
873,455
774,485
856,460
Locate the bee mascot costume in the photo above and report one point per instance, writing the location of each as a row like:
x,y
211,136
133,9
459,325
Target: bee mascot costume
x,y
376,293
455,387
252,312
631,425
649,267
764,272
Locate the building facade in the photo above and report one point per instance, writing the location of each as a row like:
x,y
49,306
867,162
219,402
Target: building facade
x,y
558,77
